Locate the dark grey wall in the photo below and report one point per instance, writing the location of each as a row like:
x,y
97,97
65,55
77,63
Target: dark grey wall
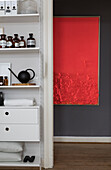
x,y
88,120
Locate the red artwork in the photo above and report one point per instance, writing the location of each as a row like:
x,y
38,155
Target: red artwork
x,y
76,57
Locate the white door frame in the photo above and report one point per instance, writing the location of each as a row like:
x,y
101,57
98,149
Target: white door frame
x,y
48,82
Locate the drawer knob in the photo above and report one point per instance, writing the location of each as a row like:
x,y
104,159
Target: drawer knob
x,y
7,129
7,113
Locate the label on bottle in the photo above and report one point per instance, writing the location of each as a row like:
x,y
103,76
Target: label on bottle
x,y
30,42
1,83
3,43
21,44
16,44
9,44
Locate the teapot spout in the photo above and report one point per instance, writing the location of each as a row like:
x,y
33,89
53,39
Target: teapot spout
x,y
13,73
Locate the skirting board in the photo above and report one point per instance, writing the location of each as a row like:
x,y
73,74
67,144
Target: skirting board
x,y
82,139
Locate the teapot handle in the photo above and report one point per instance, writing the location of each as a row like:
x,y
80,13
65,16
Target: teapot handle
x,y
33,73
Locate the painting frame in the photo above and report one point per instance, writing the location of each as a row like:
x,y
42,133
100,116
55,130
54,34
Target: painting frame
x,y
98,57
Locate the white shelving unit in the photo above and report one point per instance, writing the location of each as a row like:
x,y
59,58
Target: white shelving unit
x,y
20,59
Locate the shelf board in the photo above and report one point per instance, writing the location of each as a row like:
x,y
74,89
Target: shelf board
x,y
36,49
19,87
19,164
19,18
36,163
20,15
19,107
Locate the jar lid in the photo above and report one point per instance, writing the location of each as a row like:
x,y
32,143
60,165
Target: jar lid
x,y
9,37
30,33
3,35
15,35
21,36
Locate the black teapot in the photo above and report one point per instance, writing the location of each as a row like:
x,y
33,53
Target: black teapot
x,y
24,76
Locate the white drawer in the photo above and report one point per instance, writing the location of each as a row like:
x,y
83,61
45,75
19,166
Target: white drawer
x,y
10,132
19,116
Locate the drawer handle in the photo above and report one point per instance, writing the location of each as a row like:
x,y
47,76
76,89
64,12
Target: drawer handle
x,y
7,113
7,129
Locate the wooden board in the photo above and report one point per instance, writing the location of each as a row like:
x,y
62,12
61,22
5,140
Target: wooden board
x,y
23,84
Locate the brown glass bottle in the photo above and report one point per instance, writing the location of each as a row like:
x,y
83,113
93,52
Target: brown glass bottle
x,y
5,82
22,43
31,41
10,43
3,42
16,41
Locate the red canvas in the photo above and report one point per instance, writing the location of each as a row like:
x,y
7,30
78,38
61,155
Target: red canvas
x,y
76,57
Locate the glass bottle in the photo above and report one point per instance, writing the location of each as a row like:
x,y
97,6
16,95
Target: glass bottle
x,y
22,43
3,42
31,41
5,81
1,80
16,41
10,42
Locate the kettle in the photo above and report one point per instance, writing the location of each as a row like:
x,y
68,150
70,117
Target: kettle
x,y
24,76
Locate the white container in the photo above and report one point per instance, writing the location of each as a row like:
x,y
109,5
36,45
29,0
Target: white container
x,y
2,8
14,7
28,7
8,8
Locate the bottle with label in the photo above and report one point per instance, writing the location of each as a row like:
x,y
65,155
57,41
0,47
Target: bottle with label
x,y
3,42
1,80
10,42
8,7
16,41
31,41
22,43
5,82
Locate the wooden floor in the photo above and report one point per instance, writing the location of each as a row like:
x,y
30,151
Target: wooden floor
x,y
82,157
79,157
